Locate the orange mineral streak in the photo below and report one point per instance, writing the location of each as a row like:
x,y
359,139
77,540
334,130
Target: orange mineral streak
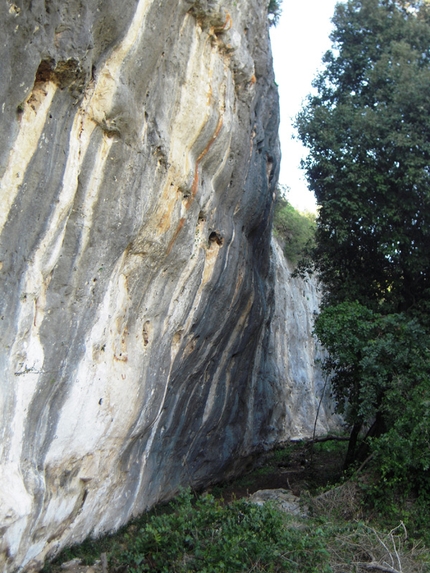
x,y
195,184
168,201
175,234
225,27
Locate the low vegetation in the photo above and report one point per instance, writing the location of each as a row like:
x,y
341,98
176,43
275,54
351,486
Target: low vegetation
x,y
206,534
294,230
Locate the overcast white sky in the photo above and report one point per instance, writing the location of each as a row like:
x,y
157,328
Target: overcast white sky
x,y
298,43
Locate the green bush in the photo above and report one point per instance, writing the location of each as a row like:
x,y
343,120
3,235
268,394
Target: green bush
x,y
210,537
295,230
380,378
204,535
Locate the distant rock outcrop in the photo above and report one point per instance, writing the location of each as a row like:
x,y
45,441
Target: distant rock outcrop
x,y
139,346
295,354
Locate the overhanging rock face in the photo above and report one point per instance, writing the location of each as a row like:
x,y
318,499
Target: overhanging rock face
x,y
138,159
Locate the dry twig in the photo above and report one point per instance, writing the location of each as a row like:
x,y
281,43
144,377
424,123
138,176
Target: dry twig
x,y
378,567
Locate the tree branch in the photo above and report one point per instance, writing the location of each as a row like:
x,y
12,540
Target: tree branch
x,y
330,438
378,567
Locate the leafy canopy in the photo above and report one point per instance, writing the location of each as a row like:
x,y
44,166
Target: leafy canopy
x,y
368,132
367,127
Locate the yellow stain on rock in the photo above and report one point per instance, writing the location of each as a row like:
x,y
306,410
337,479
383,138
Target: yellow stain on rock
x,y
166,207
36,110
211,257
194,187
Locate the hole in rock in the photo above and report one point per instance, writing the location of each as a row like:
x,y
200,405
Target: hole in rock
x,y
215,237
44,71
145,333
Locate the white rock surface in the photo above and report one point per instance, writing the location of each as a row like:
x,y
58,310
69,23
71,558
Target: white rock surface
x,y
143,342
282,498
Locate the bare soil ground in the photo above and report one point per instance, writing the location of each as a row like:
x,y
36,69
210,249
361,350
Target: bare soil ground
x,y
297,467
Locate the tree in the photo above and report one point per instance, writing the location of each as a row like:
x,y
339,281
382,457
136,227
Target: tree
x,y
274,12
368,131
380,367
367,127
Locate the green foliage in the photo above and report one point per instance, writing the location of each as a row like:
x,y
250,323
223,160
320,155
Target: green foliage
x,y
274,11
281,456
367,130
206,536
380,364
209,537
332,447
295,230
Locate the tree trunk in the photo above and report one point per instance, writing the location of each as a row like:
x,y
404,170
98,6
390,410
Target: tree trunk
x,y
350,454
376,429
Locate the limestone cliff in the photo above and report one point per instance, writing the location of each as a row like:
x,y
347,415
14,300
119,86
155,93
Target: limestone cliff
x,y
294,354
138,161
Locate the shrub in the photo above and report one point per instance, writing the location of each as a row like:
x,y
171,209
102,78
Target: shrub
x,y
295,230
209,537
274,11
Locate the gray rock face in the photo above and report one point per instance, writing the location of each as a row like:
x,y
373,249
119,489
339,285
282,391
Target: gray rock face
x,y
294,355
138,160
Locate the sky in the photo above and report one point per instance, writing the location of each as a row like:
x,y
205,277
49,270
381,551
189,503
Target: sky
x,y
298,43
